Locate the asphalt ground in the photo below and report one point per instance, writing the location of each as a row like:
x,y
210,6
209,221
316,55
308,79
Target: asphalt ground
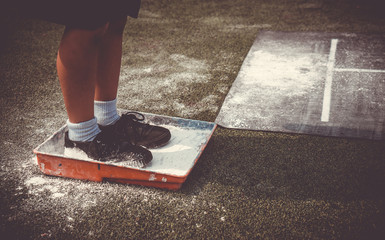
x,y
180,59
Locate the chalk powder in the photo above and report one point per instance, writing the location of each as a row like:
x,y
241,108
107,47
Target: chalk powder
x,y
271,85
176,158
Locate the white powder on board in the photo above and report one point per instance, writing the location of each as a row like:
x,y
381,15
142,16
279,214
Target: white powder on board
x,y
76,153
175,158
179,155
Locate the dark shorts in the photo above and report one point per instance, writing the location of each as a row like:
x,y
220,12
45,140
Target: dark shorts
x,y
83,14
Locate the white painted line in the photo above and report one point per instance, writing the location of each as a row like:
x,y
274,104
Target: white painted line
x,y
358,70
328,82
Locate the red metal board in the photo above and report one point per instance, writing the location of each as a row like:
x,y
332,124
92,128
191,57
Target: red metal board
x,y
169,168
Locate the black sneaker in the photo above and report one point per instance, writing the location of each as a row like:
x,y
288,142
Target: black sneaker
x,y
107,147
131,127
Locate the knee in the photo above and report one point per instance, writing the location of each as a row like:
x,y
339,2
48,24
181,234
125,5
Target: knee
x,y
92,37
117,26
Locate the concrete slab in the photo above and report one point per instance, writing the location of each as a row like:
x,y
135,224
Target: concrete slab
x,y
312,83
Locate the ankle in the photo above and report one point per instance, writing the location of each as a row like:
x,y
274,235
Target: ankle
x,y
83,131
106,112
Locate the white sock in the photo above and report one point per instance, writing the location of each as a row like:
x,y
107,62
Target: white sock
x,y
106,112
83,131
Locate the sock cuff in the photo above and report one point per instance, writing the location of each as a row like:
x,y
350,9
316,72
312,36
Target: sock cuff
x,y
83,131
106,112
100,103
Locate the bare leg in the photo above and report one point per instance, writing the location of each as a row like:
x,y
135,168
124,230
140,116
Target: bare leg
x,y
109,61
77,63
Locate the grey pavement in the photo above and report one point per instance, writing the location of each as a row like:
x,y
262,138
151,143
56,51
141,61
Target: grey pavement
x,y
180,59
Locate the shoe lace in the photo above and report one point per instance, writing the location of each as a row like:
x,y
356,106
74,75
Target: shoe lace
x,y
134,116
133,126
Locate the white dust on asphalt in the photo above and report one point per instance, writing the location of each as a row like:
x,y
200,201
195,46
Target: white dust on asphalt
x,y
158,86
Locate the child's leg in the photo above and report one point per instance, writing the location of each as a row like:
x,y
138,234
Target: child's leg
x,y
128,127
77,63
109,61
